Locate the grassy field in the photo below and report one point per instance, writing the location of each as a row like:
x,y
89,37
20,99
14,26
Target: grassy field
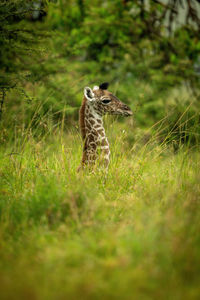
x,y
130,234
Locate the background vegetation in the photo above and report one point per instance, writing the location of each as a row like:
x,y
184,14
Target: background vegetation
x,y
134,233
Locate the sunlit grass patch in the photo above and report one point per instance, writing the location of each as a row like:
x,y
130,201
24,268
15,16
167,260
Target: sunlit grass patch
x,y
130,232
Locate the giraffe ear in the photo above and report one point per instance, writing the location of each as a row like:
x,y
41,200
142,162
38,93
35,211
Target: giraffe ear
x,y
89,95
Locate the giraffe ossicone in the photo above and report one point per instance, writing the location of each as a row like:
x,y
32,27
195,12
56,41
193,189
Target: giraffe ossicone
x,y
96,103
95,88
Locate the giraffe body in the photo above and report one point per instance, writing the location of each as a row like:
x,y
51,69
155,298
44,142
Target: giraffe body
x,y
96,103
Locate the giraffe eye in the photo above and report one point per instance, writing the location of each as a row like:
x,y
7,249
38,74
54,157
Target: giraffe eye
x,y
106,101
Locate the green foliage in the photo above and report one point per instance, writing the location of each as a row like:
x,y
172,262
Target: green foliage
x,y
80,43
116,32
19,43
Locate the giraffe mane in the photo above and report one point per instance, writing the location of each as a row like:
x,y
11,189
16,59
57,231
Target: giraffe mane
x,y
82,119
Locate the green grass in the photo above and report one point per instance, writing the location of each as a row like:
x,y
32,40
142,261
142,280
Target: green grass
x,y
130,234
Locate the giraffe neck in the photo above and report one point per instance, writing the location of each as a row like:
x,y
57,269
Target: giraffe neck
x,y
95,137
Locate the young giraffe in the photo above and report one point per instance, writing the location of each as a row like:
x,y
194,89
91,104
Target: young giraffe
x,y
96,103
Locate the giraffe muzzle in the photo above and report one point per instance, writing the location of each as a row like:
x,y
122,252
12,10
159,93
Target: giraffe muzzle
x,y
127,112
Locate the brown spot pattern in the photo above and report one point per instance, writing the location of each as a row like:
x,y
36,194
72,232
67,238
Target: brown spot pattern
x,y
91,126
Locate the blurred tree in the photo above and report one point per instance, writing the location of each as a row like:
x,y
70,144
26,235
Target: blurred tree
x,y
151,41
20,47
130,32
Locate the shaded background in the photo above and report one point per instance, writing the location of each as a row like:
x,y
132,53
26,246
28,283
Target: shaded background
x,y
147,50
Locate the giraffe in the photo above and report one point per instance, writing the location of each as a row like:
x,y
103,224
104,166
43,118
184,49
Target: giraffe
x,y
96,103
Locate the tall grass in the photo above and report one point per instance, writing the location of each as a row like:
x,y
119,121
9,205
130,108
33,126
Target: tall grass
x,y
132,233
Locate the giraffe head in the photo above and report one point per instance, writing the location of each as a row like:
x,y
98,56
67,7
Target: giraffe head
x,y
104,102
